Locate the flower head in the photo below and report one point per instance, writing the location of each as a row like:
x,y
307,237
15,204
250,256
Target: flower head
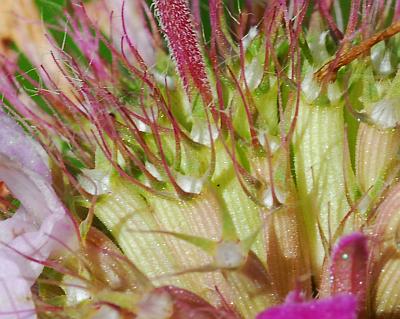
x,y
213,177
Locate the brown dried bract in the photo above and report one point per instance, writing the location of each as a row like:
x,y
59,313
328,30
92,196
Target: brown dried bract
x,y
327,73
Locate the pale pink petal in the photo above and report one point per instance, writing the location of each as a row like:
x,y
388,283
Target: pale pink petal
x,y
18,148
104,11
36,230
15,302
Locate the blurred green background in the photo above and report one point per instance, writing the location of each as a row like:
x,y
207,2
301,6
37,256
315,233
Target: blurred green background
x,y
52,10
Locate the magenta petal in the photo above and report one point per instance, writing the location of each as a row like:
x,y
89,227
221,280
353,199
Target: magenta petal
x,y
348,271
337,307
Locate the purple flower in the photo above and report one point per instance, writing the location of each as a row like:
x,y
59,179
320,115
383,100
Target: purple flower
x,y
39,227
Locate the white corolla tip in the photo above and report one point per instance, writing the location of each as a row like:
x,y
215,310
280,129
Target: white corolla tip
x,y
164,80
274,142
229,255
386,113
190,184
106,312
75,290
254,72
155,305
201,133
154,171
250,36
268,199
310,87
334,92
386,66
143,126
95,181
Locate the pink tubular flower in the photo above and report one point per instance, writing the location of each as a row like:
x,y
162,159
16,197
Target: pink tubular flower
x,y
38,226
345,280
338,307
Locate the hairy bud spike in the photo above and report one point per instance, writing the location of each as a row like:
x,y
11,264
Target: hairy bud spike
x,y
178,27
